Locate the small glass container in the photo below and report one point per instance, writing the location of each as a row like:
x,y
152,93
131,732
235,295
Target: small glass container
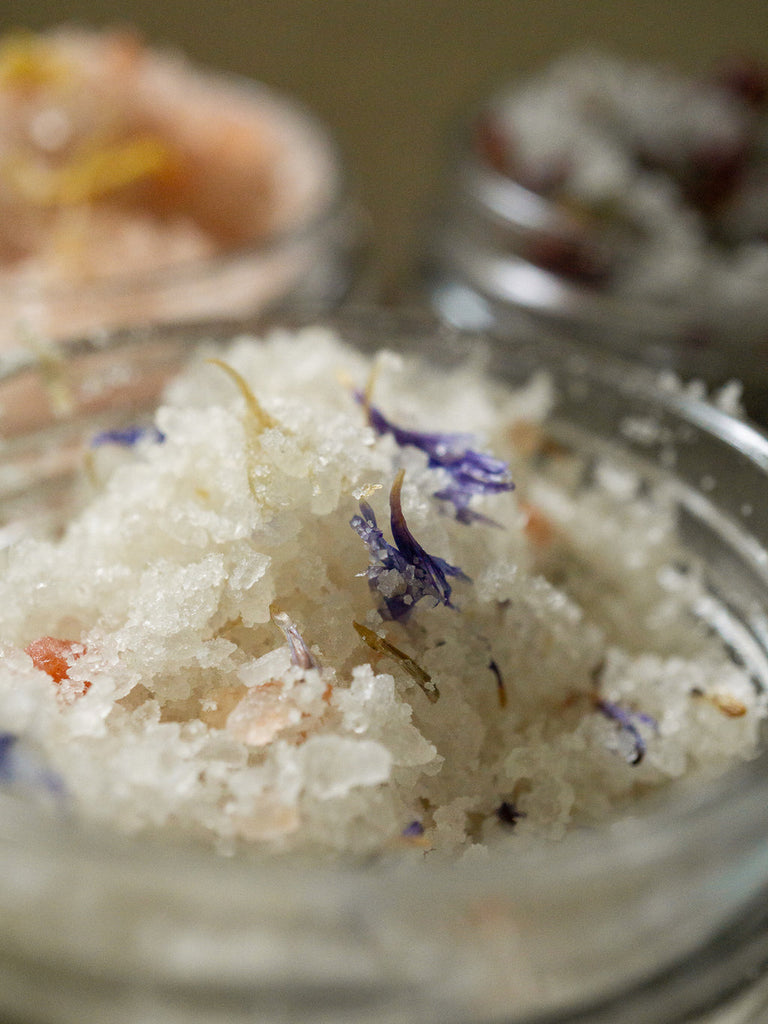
x,y
660,916
550,240
139,188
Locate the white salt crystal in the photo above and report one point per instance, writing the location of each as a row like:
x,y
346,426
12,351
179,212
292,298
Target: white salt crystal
x,y
336,764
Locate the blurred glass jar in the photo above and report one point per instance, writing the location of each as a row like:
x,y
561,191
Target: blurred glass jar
x,y
661,916
620,204
137,188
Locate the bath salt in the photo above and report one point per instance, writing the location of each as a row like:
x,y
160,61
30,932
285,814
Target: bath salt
x,y
658,180
120,162
333,602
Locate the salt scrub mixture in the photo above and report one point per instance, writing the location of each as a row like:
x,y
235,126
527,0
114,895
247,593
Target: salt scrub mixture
x,y
301,611
659,180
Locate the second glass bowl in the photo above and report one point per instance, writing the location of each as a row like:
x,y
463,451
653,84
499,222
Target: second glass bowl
x,y
570,205
138,188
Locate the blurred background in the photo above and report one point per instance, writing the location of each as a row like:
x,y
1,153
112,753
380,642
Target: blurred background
x,y
392,77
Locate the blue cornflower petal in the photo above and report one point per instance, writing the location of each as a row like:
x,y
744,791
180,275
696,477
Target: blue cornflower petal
x,y
7,743
628,722
413,829
471,472
127,437
380,549
431,571
21,764
422,575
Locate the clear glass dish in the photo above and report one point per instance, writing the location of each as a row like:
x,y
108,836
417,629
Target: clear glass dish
x,y
658,917
250,210
502,257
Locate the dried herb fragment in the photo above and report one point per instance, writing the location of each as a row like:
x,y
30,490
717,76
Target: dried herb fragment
x,y
421,574
471,472
492,145
724,702
378,643
260,416
500,687
746,79
256,420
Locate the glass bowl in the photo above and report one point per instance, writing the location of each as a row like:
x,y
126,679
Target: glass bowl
x,y
513,245
658,916
235,198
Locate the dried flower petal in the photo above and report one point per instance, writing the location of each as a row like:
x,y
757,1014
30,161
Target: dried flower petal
x,y
127,437
471,472
7,743
628,722
413,829
22,764
433,571
418,574
300,653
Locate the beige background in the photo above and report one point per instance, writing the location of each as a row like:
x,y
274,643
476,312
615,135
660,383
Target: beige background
x,y
393,76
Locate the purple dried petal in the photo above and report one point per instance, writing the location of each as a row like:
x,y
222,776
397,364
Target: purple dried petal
x,y
438,446
628,722
423,575
380,549
385,558
7,743
127,437
471,472
21,764
413,830
432,572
